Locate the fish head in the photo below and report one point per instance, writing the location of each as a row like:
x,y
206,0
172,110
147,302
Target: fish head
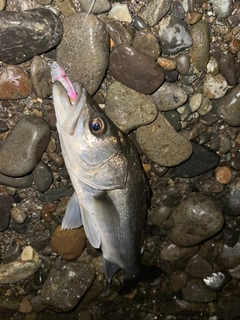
x,y
95,151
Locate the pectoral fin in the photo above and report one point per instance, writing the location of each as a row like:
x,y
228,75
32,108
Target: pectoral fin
x,y
72,218
110,269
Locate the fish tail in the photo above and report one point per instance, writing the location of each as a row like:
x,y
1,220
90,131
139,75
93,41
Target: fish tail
x,y
146,273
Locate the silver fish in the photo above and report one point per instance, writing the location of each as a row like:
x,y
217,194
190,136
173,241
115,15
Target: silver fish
x,y
111,188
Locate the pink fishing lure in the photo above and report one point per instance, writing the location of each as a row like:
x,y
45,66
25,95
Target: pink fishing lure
x,y
58,74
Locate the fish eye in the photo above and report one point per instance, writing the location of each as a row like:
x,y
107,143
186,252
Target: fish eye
x,y
98,126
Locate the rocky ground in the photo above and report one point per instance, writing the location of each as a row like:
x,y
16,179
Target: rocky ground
x,y
167,74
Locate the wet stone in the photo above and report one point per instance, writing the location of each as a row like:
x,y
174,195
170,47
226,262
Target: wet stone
x,y
155,11
173,253
19,182
99,6
169,97
222,8
174,119
231,198
139,23
65,287
217,280
85,54
196,219
24,147
202,160
162,144
227,67
42,176
193,130
41,77
174,35
5,210
166,63
3,126
178,280
18,215
68,244
201,44
227,108
135,69
14,83
196,291
119,33
26,34
171,75
146,42
199,267
127,108
229,257
214,87
66,7
177,10
183,63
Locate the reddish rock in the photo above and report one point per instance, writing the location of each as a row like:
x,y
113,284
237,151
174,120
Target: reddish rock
x,y
14,83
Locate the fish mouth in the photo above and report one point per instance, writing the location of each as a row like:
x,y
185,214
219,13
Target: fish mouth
x,y
67,113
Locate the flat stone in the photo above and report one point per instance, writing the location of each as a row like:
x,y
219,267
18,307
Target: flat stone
x,y
127,108
155,10
42,176
65,287
201,44
66,7
174,35
228,69
26,34
24,146
135,69
18,270
19,182
29,254
146,42
229,258
215,87
14,83
84,54
202,160
231,198
119,33
169,97
5,210
183,63
99,6
173,253
162,144
68,244
120,12
222,8
199,267
227,108
196,291
41,77
195,220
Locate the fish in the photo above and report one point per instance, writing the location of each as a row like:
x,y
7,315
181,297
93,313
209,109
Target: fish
x,y
112,192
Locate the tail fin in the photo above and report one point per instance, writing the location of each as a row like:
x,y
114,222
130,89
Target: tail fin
x,y
146,273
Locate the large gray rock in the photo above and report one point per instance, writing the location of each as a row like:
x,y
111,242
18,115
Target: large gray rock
x,y
27,33
155,10
65,287
24,147
195,220
84,50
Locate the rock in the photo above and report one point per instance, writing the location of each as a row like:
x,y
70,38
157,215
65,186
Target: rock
x,y
162,144
2,4
195,102
84,54
174,253
10,303
44,2
68,244
217,280
127,108
135,69
229,258
139,23
29,254
227,108
119,33
14,83
42,176
3,126
5,210
24,147
26,34
20,182
66,7
195,220
214,87
17,270
41,77
235,272
65,287
199,267
146,42
231,198
223,175
169,97
202,160
167,64
201,44
210,249
228,69
99,6
173,117
193,130
183,63
25,306
174,35
222,8
155,11
160,214
177,10
196,291
18,215
120,12
178,280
